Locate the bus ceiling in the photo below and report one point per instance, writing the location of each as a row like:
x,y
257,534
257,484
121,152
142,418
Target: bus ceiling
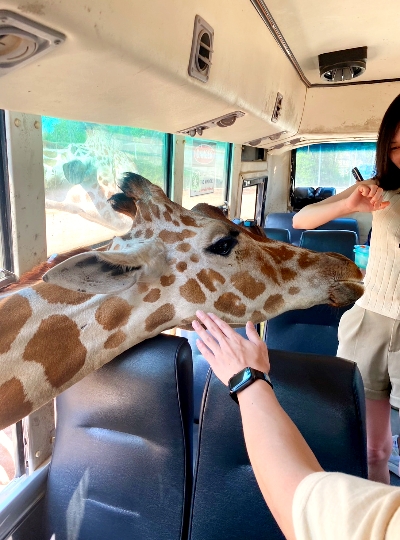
x,y
243,71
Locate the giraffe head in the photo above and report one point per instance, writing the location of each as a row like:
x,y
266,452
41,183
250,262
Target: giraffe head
x,y
179,261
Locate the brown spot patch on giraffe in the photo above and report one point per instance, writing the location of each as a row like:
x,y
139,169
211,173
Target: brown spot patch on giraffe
x,y
176,223
142,287
113,313
269,271
57,347
169,208
185,247
306,260
257,317
170,237
167,216
115,340
288,274
152,296
181,266
161,316
209,277
144,211
273,303
128,235
155,210
282,253
117,247
166,281
192,292
294,290
148,233
188,221
14,313
54,294
14,404
138,234
231,304
247,285
194,258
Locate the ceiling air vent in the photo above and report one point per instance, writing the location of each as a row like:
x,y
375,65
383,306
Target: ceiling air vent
x,y
202,49
222,121
278,108
22,40
272,137
340,66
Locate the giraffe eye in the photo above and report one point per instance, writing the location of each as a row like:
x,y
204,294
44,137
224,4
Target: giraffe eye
x,y
223,246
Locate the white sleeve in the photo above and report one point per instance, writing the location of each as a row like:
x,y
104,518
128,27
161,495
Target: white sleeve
x,y
333,506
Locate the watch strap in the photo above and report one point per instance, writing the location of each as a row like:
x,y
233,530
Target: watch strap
x,y
256,375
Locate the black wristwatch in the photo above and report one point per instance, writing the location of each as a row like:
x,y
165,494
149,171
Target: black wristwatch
x,y
245,378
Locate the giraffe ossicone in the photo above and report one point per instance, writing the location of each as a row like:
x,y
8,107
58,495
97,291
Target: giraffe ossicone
x,y
173,261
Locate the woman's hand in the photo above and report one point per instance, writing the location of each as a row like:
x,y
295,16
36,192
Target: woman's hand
x,y
226,351
366,198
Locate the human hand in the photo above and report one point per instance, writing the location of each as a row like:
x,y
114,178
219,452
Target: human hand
x,y
226,351
367,197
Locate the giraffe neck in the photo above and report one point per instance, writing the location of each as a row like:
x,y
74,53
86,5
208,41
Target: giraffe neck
x,y
52,337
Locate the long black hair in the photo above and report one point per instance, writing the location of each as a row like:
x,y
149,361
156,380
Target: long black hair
x,y
387,174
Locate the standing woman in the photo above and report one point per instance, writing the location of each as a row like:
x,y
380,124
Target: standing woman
x,y
369,333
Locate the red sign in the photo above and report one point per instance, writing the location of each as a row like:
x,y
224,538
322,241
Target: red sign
x,y
204,154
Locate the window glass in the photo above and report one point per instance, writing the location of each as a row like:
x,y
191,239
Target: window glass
x,y
83,163
204,173
329,165
249,200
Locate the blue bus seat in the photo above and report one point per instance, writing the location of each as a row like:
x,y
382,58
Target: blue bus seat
x,y
122,461
283,235
284,220
323,395
313,330
342,242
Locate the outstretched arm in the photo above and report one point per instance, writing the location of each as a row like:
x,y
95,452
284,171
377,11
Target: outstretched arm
x,y
361,197
280,457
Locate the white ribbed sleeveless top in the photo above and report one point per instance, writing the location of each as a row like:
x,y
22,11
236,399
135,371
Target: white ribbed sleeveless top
x,y
382,278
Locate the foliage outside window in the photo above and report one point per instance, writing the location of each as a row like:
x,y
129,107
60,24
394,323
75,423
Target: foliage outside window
x,y
204,173
330,165
83,163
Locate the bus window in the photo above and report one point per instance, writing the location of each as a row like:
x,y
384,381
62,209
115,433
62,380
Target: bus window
x,y
82,165
249,200
330,165
205,175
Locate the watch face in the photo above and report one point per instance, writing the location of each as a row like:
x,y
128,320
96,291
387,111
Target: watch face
x,y
240,379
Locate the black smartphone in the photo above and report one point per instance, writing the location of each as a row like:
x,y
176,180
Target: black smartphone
x,y
357,175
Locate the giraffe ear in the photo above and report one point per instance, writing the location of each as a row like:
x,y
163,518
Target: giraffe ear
x,y
105,272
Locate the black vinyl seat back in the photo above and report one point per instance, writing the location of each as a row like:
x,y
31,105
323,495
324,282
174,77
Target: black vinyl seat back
x,y
313,330
284,220
342,242
274,233
122,462
323,395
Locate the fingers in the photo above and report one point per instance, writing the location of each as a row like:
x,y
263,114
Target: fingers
x,y
205,351
208,339
224,327
210,324
252,333
374,194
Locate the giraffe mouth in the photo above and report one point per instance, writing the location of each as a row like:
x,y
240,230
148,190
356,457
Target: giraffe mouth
x,y
344,292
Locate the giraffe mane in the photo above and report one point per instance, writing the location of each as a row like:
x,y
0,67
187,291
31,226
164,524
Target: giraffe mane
x,y
216,213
